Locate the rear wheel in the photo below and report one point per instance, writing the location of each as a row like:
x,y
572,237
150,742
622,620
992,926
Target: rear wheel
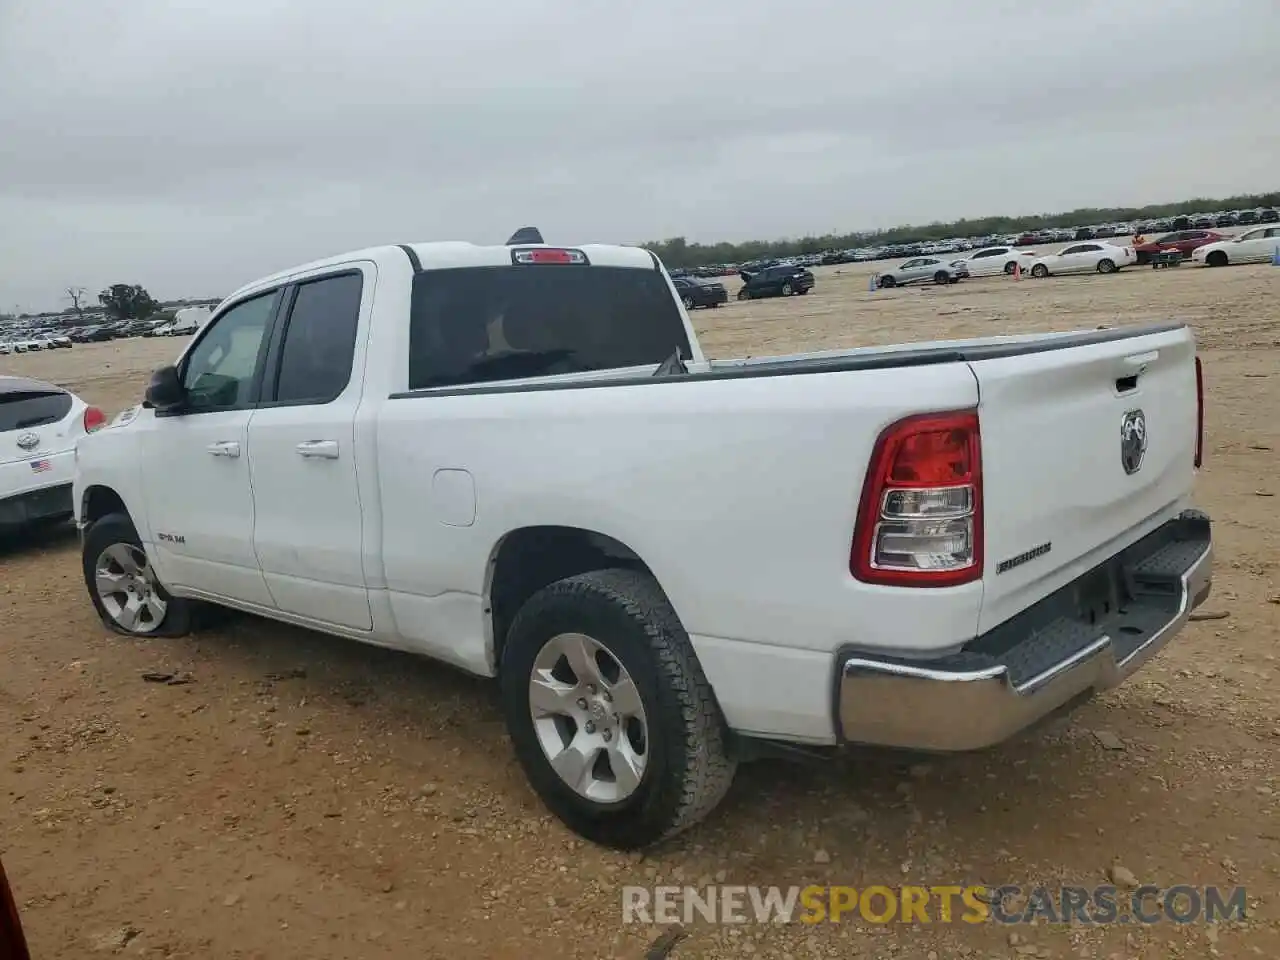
x,y
1216,259
941,277
609,712
887,282
1010,266
787,289
124,589
688,302
1106,266
1040,270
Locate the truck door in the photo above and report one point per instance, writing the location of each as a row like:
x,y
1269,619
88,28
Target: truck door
x,y
308,525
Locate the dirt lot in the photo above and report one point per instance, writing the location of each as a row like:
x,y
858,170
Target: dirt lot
x,y
305,797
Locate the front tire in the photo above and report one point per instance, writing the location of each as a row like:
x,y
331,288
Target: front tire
x,y
124,589
941,277
1040,271
688,303
887,283
787,289
610,714
1216,259
1010,266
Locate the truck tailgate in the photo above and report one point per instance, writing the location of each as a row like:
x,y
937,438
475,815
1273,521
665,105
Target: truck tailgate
x,y
1084,450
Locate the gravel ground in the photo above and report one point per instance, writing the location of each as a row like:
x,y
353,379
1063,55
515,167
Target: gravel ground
x,y
294,795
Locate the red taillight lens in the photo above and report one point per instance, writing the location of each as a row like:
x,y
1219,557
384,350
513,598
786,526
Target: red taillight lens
x,y
920,519
94,419
1199,413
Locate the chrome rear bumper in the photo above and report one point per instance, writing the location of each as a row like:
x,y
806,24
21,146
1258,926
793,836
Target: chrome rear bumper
x,y
1090,635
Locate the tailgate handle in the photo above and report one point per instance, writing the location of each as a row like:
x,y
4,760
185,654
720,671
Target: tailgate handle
x,y
1137,363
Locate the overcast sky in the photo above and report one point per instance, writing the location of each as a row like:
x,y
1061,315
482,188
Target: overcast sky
x,y
193,146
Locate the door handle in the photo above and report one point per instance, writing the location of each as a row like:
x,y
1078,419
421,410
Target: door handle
x,y
224,448
319,449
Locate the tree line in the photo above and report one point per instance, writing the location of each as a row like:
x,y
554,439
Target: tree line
x,y
679,252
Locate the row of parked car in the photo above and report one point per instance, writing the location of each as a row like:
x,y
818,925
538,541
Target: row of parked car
x,y
1207,247
184,322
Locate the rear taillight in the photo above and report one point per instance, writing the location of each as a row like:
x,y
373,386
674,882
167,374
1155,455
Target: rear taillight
x,y
920,519
1199,414
94,419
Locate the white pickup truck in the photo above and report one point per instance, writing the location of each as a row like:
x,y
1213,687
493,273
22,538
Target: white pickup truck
x,y
517,460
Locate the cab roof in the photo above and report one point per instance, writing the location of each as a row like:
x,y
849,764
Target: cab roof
x,y
455,254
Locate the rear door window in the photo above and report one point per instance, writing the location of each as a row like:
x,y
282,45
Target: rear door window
x,y
482,324
320,340
22,410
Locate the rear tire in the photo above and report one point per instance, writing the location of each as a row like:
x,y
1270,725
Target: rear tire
x,y
1040,271
887,282
941,277
1216,259
1106,266
124,589
1009,267
638,668
787,289
688,303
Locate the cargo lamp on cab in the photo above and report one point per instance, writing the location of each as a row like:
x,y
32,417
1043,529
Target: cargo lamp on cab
x,y
549,255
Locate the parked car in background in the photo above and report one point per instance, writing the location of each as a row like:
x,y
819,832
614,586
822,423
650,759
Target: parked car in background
x,y
39,426
991,261
1256,246
781,280
922,269
188,320
96,333
54,341
696,292
1245,217
1269,216
1184,241
1096,257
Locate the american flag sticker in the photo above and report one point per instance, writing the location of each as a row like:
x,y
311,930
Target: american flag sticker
x,y
41,466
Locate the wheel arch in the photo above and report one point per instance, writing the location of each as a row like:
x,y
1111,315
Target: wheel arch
x,y
527,559
98,500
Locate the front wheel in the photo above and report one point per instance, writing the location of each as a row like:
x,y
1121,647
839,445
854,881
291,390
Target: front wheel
x,y
887,282
1106,266
1010,267
688,302
787,289
1040,271
610,714
1216,259
124,589
941,277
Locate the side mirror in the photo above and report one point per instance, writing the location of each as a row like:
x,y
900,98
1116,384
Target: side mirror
x,y
165,392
